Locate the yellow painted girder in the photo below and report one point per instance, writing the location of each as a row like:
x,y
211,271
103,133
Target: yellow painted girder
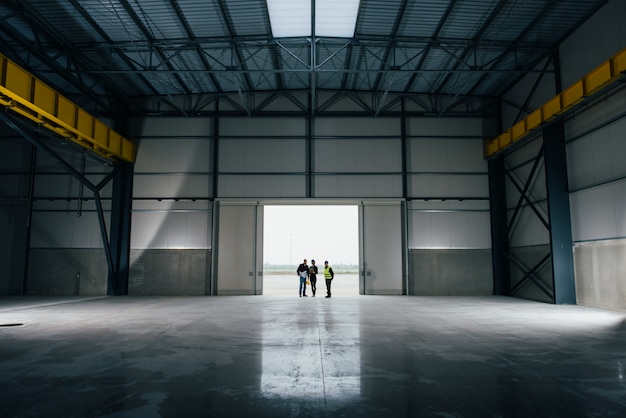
x,y
599,78
28,96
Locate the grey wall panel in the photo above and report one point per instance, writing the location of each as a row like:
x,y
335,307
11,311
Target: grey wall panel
x,y
169,272
262,127
600,271
599,156
356,186
598,213
449,230
448,186
173,154
66,230
440,127
446,155
66,272
171,230
362,155
269,186
450,272
356,127
599,38
262,155
160,126
172,186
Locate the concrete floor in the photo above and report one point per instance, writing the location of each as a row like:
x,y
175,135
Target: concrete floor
x,y
284,356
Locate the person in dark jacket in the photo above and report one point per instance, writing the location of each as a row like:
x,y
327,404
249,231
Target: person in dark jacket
x,y
329,275
303,273
313,277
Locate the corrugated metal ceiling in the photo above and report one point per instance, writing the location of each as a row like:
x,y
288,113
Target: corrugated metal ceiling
x,y
107,52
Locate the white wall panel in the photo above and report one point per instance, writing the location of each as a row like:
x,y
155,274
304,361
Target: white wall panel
x,y
362,155
256,186
260,155
174,155
259,126
360,127
599,212
171,230
348,186
449,230
160,126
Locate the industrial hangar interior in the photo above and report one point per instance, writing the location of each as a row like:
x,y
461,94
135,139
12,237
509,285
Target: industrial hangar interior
x,y
482,142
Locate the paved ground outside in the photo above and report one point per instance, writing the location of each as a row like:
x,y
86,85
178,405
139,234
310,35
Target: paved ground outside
x,y
287,284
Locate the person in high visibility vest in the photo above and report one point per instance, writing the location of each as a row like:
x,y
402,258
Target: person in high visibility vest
x,y
329,274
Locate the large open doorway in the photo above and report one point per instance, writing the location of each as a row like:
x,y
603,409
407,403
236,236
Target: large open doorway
x,y
315,232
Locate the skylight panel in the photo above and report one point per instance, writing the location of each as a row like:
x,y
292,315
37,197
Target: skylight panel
x,y
336,18
333,18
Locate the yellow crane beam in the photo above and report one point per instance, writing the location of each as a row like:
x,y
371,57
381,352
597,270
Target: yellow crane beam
x,y
28,96
606,73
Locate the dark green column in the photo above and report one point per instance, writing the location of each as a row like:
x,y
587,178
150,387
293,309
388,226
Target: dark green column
x,y
121,206
559,214
499,228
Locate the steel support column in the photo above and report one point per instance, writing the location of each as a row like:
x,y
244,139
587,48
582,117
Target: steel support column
x,y
559,214
121,206
499,228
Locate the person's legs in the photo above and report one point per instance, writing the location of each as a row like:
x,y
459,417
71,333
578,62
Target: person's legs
x,y
328,288
302,290
313,285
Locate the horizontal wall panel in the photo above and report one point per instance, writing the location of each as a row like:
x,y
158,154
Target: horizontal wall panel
x,y
262,127
14,185
599,212
357,186
600,270
161,126
362,155
66,230
261,155
598,157
446,155
270,186
171,230
172,186
462,127
356,127
155,272
174,155
448,186
450,273
449,229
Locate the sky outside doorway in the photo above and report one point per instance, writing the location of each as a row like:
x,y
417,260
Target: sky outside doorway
x,y
293,233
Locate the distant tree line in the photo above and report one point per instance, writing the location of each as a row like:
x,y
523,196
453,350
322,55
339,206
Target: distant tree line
x,y
289,268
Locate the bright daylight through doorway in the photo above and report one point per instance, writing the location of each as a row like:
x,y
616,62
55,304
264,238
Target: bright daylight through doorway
x,y
293,233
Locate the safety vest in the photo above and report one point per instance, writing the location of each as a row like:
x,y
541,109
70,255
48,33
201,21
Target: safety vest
x,y
327,275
